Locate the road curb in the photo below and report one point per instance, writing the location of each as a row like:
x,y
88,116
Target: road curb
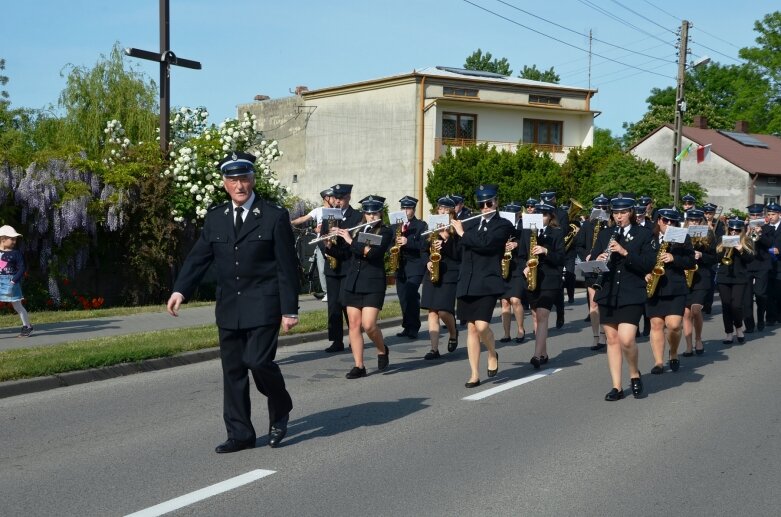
x,y
37,384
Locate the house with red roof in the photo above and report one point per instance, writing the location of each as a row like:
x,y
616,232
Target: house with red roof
x,y
741,168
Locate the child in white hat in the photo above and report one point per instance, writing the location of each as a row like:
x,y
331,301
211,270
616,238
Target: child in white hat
x,y
11,273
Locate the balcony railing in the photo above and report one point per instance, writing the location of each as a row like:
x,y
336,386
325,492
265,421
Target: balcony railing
x,y
558,152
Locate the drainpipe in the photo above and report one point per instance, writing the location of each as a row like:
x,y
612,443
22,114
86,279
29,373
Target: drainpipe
x,y
421,134
752,189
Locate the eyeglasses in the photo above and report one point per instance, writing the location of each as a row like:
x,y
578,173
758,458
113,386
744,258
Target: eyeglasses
x,y
665,220
622,211
485,204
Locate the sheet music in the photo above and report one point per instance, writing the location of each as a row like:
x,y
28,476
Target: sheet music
x,y
510,216
332,213
730,241
369,238
598,214
698,231
757,222
675,234
399,217
593,266
532,219
435,221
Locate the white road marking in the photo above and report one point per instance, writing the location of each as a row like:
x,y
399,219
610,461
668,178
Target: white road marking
x,y
204,493
510,385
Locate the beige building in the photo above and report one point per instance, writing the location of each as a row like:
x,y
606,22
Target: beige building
x,y
382,135
741,169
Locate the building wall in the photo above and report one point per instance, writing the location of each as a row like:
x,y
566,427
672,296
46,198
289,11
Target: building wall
x,y
285,120
727,185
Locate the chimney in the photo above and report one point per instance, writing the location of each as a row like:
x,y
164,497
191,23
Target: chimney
x,y
700,122
301,89
741,126
262,97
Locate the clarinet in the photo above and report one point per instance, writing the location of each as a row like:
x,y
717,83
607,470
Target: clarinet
x,y
597,285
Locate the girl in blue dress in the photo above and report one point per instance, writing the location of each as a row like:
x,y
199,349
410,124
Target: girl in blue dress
x,y
11,273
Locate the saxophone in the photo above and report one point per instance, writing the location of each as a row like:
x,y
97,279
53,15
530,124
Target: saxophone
x,y
506,259
597,228
658,271
333,262
435,257
395,249
533,261
689,273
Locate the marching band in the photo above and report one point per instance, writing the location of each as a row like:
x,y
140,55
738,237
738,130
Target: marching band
x,y
637,262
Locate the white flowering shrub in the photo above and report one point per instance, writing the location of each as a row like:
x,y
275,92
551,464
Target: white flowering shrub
x,y
197,148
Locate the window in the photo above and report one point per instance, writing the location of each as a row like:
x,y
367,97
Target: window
x,y
543,133
458,128
459,92
771,199
544,99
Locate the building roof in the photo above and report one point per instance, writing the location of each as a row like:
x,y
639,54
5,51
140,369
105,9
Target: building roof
x,y
459,74
750,158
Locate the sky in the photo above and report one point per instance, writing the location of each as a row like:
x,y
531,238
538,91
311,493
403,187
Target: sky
x,y
250,48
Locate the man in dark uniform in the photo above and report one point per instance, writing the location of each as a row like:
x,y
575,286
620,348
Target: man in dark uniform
x,y
562,218
461,212
339,251
773,230
688,202
412,266
717,225
641,212
758,271
250,242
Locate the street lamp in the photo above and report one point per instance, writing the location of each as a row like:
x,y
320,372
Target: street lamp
x,y
680,109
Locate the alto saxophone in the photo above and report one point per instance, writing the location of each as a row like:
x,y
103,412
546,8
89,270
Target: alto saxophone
x,y
689,273
333,262
435,257
395,249
506,259
533,261
658,271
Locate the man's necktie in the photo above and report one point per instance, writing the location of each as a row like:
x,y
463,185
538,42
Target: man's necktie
x,y
483,225
239,220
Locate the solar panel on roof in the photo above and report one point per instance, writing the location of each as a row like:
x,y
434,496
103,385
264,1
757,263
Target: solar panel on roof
x,y
476,73
744,139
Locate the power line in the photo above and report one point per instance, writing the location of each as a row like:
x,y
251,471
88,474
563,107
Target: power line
x,y
612,16
641,16
558,40
580,33
676,18
720,53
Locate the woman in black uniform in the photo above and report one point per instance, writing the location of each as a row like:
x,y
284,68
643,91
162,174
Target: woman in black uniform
x,y
363,289
627,249
440,297
701,283
667,303
731,279
480,278
511,298
549,254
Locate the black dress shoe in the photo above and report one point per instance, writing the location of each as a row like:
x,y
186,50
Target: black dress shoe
x,y
728,341
277,431
657,369
741,339
505,339
699,351
492,373
432,354
535,362
614,394
412,334
382,360
687,354
335,347
675,364
471,384
403,333
544,359
521,338
598,346
452,344
233,445
559,319
356,373
637,386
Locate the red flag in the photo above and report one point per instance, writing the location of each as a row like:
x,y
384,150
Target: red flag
x,y
703,151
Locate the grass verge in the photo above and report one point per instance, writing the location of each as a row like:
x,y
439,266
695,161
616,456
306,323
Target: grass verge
x,y
25,363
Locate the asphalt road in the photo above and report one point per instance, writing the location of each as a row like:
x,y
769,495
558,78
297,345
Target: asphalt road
x,y
705,440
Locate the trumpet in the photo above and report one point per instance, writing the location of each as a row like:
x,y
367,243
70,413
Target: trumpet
x,y
451,224
569,239
727,258
332,235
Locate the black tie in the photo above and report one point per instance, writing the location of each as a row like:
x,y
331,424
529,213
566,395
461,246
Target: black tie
x,y
239,220
483,225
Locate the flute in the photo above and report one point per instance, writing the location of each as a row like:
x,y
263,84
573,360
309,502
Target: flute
x,y
330,235
440,228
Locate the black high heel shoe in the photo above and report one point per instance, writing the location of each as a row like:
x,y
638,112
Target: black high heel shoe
x,y
492,373
535,362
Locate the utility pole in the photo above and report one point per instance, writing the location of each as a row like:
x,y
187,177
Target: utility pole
x,y
680,109
166,58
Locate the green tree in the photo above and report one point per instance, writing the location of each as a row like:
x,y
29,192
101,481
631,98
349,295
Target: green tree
x,y
3,82
546,76
487,63
766,57
107,91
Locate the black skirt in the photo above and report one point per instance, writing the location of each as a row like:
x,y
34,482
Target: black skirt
x,y
514,288
661,306
624,314
696,297
543,298
361,300
476,308
440,297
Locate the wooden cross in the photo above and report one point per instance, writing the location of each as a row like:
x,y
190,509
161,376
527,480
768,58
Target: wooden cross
x,y
166,58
